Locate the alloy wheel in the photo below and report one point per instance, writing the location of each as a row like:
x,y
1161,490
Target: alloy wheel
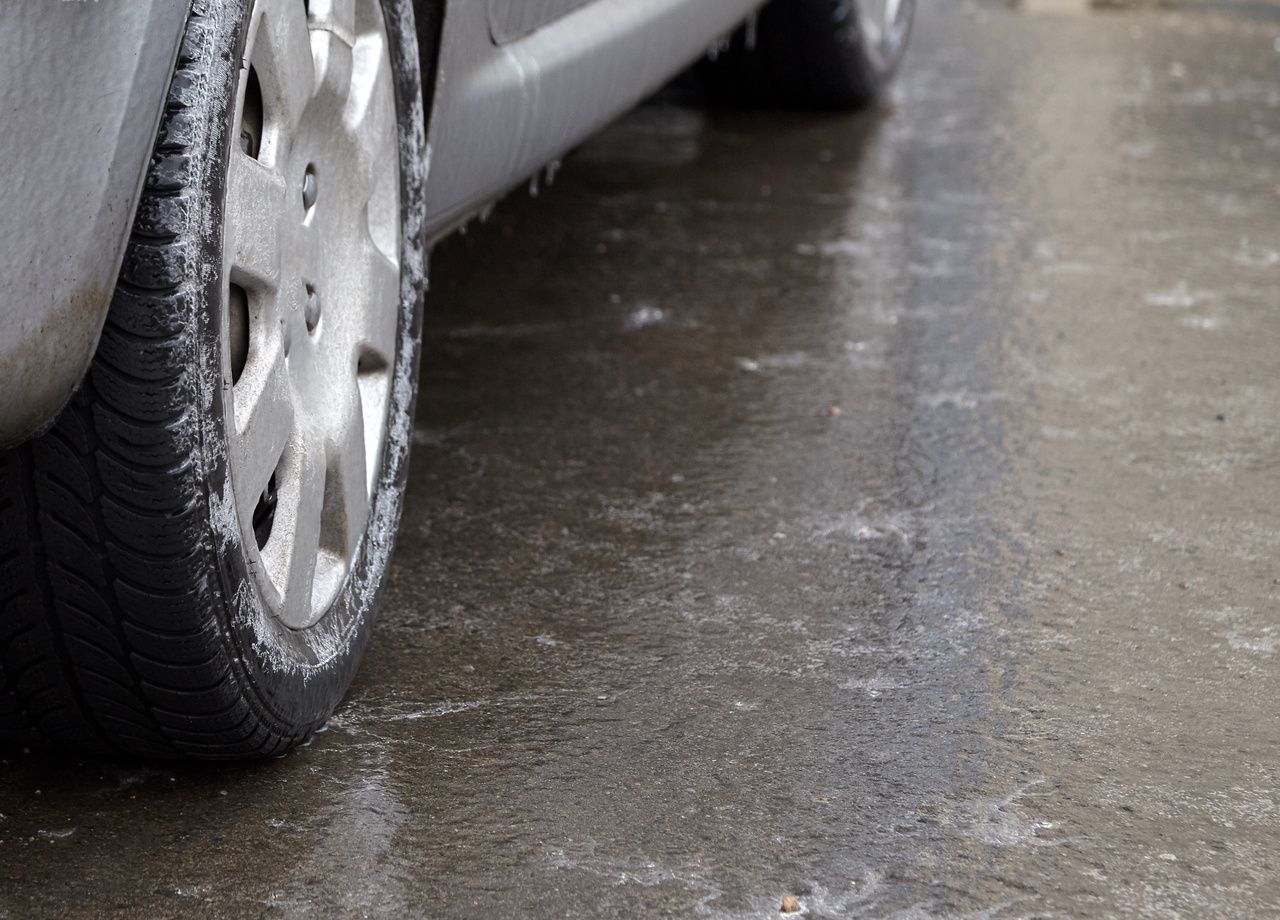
x,y
311,292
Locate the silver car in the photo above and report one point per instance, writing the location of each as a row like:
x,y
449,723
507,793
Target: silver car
x,y
215,221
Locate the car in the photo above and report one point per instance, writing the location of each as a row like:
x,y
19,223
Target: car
x,y
214,237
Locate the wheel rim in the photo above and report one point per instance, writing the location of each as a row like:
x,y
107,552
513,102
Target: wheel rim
x,y
884,25
311,292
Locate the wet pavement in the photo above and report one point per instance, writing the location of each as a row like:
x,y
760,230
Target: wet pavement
x,y
879,510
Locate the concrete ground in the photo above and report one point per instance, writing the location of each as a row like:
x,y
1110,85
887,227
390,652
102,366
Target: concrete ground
x,y
880,510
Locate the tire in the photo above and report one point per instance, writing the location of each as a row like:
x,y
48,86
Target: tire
x,y
814,54
138,617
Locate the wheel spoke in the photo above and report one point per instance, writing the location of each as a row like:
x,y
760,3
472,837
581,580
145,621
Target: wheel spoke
x,y
300,518
335,16
347,505
382,295
281,56
872,23
251,245
370,115
264,420
333,61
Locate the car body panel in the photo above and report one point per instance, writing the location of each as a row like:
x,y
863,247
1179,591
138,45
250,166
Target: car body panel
x,y
502,112
509,20
81,90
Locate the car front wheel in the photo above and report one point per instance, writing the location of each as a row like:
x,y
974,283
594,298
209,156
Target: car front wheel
x,y
191,558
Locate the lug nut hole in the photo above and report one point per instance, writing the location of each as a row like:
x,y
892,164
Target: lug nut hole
x,y
238,323
252,117
264,513
310,188
312,310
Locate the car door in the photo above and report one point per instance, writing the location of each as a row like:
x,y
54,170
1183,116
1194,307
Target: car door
x,y
522,81
511,20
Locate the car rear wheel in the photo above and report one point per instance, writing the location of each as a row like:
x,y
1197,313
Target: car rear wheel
x,y
835,54
191,558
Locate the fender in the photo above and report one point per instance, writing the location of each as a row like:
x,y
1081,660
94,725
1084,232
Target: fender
x,y
82,85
